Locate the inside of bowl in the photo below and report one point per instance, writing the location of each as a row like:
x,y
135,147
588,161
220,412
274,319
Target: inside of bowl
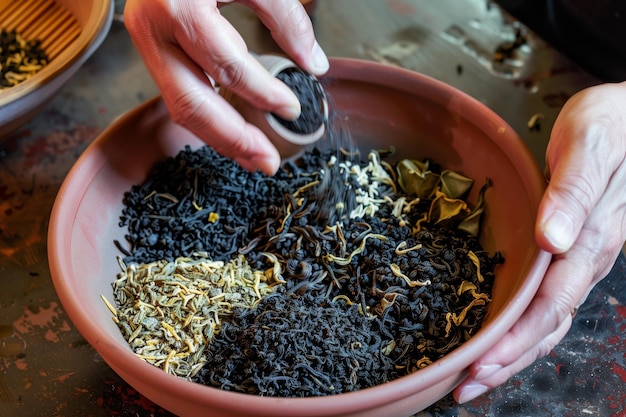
x,y
378,117
109,170
418,116
421,120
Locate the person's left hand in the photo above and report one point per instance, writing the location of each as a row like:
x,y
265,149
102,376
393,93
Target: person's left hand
x,y
581,220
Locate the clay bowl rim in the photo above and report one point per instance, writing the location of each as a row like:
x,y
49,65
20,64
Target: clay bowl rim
x,y
94,25
122,360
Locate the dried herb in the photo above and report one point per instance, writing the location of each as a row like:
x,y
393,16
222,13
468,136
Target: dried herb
x,y
19,59
392,280
170,311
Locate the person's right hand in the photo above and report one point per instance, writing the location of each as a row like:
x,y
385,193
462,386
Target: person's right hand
x,y
581,221
183,41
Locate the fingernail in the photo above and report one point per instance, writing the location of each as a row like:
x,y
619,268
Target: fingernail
x,y
559,230
291,108
267,164
485,371
291,111
319,61
471,391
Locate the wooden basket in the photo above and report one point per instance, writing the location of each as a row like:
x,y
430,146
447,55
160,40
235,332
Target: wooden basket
x,y
46,20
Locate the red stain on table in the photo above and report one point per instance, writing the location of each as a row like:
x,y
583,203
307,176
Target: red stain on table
x,y
613,340
617,404
619,371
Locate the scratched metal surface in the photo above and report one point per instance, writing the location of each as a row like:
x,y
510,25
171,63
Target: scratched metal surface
x,y
46,367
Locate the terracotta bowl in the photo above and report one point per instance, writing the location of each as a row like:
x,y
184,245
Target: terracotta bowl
x,y
383,106
19,104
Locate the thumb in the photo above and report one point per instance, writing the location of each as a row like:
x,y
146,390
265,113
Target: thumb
x,y
585,149
567,202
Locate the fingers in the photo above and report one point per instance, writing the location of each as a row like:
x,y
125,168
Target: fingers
x,y
213,44
188,43
203,110
490,376
292,29
189,94
584,152
541,327
568,281
569,198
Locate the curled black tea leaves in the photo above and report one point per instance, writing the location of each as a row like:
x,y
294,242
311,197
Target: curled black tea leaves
x,y
372,293
295,346
196,201
311,96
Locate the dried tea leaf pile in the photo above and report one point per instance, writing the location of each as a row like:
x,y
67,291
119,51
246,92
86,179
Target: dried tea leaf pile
x,y
171,310
310,94
391,282
19,59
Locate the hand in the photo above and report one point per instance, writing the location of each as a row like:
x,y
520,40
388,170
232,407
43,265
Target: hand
x,y
183,41
581,220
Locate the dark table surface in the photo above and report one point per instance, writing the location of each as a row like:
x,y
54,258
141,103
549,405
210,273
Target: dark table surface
x,y
47,368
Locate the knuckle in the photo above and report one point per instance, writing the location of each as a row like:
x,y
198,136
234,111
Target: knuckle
x,y
559,308
577,192
546,346
232,147
301,22
300,28
600,244
236,145
185,108
186,111
562,308
229,72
